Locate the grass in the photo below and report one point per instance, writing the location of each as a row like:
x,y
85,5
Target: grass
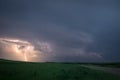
x,y
112,64
116,65
13,70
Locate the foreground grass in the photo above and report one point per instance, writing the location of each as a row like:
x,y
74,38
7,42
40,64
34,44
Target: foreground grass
x,y
50,71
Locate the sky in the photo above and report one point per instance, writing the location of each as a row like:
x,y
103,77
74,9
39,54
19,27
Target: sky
x,y
61,30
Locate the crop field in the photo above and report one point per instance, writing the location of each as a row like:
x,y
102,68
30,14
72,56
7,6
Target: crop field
x,y
13,70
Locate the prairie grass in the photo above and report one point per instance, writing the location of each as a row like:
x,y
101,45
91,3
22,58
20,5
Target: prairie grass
x,y
13,70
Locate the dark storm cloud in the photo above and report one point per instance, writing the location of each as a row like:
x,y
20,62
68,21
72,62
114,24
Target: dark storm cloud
x,y
79,30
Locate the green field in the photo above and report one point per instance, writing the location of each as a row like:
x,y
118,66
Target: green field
x,y
116,65
13,70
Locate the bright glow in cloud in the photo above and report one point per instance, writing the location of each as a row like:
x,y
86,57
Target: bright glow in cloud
x,y
23,49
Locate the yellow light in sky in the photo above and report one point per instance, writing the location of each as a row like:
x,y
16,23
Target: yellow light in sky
x,y
24,49
18,49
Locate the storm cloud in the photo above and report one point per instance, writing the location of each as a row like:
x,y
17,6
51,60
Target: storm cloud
x,y
79,31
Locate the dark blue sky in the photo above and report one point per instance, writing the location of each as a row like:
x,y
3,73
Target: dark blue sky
x,y
79,30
